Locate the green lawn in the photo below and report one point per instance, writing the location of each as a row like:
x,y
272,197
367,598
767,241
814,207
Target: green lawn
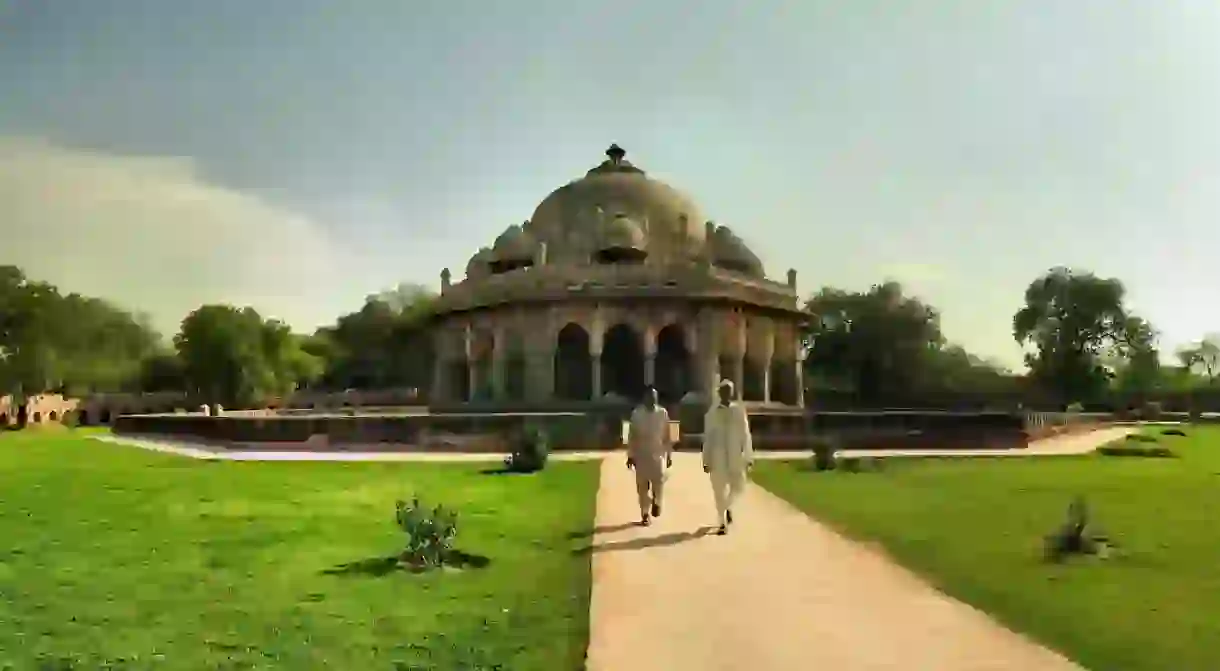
x,y
113,557
974,527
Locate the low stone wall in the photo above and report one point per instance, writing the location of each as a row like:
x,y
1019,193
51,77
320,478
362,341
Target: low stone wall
x,y
450,432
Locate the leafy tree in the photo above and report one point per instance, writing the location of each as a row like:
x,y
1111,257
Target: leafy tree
x,y
385,344
1203,356
233,356
880,341
1072,319
74,344
1137,373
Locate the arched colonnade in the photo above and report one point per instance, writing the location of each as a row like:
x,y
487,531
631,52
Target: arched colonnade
x,y
582,355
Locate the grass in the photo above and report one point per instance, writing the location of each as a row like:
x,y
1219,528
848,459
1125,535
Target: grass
x,y
973,527
113,557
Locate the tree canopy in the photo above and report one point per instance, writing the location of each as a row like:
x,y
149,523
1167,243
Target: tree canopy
x,y
71,343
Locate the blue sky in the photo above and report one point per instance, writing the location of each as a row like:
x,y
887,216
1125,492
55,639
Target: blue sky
x,y
298,154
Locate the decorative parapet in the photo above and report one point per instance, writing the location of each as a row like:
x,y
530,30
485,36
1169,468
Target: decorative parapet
x,y
557,282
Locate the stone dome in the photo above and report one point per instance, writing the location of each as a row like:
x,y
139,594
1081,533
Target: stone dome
x,y
514,244
731,252
570,220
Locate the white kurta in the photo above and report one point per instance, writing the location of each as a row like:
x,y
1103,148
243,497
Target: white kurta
x,y
728,452
649,447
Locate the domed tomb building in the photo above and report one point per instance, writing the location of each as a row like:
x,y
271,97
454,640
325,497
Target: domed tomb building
x,y
616,282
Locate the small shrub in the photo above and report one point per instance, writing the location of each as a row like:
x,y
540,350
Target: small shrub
x,y
1075,537
530,451
1142,438
430,534
823,455
1173,432
1131,448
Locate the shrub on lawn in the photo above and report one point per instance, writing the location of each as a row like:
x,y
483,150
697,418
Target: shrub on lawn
x,y
1135,446
1142,438
530,451
823,455
1075,537
1172,432
430,534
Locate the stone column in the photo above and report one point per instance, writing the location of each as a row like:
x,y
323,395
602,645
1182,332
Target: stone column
x,y
498,391
707,355
740,355
650,356
472,369
768,354
800,380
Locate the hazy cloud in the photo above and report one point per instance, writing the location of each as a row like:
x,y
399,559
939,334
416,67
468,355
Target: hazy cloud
x,y
150,233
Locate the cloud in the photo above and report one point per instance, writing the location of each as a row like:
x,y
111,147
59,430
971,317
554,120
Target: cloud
x,y
150,233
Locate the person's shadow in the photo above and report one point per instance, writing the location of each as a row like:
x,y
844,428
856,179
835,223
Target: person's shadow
x,y
644,543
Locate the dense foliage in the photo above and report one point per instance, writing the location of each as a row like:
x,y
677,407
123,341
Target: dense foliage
x,y
878,347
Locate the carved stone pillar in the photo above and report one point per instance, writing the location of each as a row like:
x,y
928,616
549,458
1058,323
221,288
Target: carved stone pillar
x,y
650,356
497,365
707,354
739,356
472,367
768,354
596,340
800,380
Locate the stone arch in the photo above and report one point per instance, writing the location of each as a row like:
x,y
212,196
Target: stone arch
x,y
104,418
3,419
622,362
673,367
37,417
573,365
82,417
52,416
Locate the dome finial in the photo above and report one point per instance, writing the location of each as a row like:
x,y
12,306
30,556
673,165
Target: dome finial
x,y
616,154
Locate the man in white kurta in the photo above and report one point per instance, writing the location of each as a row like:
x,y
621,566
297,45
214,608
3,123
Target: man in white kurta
x,y
728,451
650,453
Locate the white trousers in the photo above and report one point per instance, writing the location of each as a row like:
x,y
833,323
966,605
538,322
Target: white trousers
x,y
726,487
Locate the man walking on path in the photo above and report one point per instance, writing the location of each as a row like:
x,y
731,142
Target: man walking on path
x,y
650,453
728,451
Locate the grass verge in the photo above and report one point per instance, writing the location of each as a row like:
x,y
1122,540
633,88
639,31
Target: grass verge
x,y
974,526
114,557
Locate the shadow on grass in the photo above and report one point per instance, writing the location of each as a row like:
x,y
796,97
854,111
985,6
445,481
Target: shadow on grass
x,y
377,567
644,543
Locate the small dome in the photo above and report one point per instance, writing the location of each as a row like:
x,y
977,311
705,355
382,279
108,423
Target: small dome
x,y
479,264
731,252
514,244
620,232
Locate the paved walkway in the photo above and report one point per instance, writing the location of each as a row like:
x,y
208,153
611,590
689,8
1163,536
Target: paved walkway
x,y
780,592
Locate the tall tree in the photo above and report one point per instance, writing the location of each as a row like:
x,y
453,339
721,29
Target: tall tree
x,y
1202,357
1072,319
384,344
234,357
879,341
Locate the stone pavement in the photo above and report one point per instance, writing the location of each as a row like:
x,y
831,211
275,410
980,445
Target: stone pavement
x,y
780,592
